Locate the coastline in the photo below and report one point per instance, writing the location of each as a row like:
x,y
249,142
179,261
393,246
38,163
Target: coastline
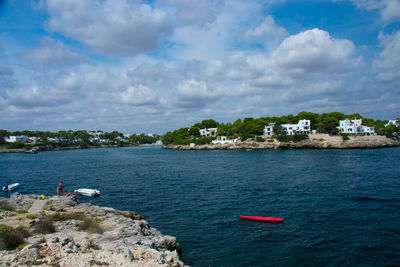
x,y
117,238
315,141
22,150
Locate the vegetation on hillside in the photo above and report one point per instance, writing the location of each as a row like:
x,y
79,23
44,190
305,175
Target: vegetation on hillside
x,y
251,128
73,138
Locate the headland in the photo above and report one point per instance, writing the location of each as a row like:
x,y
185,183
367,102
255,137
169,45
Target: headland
x,y
55,231
315,141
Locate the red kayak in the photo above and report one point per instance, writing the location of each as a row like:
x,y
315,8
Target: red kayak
x,y
263,219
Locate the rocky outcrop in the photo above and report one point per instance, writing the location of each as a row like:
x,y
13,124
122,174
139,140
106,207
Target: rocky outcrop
x,y
125,239
316,141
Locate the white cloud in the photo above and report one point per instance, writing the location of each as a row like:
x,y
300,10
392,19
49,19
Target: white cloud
x,y
53,53
313,51
194,12
119,27
267,32
387,64
389,9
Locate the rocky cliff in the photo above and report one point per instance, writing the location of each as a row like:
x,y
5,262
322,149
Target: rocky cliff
x,y
60,233
315,141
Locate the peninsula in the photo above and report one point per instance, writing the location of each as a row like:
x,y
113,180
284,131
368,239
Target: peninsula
x,y
333,130
55,231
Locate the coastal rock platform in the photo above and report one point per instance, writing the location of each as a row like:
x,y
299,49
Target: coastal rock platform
x,y
315,141
83,235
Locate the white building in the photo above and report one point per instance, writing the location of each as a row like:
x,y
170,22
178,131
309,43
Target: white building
x,y
302,127
53,140
33,140
223,140
355,127
393,122
208,132
269,129
17,138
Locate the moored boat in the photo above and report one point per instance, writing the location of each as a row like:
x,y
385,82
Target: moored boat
x,y
263,219
88,192
10,187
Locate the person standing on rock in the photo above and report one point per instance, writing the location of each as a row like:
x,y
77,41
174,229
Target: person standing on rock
x,y
60,189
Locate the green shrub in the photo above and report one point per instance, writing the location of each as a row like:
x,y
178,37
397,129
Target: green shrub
x,y
44,227
6,206
91,226
67,216
15,145
260,139
270,140
345,137
5,228
23,230
1,217
31,216
11,240
22,211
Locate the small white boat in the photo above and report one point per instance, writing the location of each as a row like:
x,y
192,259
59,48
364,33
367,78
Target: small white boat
x,y
88,192
10,187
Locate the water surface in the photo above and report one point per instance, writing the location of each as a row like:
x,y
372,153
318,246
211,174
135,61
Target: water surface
x,y
341,207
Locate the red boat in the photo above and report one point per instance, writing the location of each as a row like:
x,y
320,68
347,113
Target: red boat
x,y
263,219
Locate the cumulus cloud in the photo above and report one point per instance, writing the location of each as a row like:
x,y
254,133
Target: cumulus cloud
x,y
387,64
389,9
194,12
313,51
53,53
7,79
267,32
111,27
65,89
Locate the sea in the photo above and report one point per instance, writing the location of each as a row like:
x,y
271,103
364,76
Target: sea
x,y
340,207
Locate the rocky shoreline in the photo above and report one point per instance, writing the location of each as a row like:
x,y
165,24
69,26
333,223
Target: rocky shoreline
x,y
315,141
113,238
50,148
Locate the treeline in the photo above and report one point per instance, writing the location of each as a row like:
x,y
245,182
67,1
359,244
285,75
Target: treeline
x,y
251,128
81,137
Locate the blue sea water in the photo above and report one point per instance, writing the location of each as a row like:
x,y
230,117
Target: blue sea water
x,y
340,207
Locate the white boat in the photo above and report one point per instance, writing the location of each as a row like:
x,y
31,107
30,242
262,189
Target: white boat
x,y
88,192
10,187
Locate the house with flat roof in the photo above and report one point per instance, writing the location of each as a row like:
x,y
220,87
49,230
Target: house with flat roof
x,y
16,138
208,132
355,127
302,127
392,122
269,129
223,140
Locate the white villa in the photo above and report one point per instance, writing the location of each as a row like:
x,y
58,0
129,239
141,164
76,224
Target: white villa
x,y
16,138
223,140
355,127
208,132
394,122
269,129
302,127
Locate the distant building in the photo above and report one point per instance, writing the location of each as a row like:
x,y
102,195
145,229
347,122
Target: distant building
x,y
355,127
302,127
269,129
223,140
53,140
392,122
33,140
17,138
208,132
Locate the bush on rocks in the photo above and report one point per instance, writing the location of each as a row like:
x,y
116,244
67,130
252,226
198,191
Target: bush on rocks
x,y
44,227
11,238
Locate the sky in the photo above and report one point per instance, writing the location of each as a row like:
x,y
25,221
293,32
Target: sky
x,y
155,66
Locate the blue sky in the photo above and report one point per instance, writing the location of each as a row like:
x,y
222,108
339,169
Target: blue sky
x,y
153,66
